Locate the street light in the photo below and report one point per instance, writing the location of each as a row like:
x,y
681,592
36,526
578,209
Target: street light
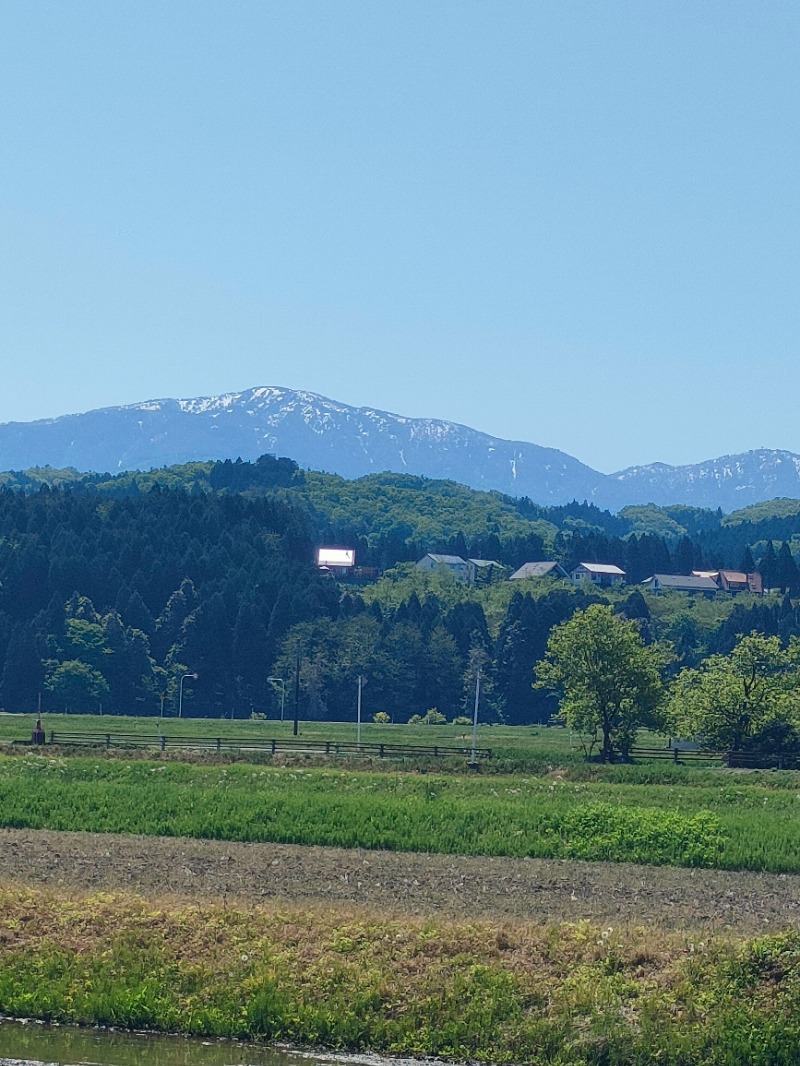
x,y
180,693
282,683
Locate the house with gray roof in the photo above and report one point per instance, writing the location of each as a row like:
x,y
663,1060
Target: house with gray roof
x,y
484,571
545,568
681,583
473,571
603,574
454,563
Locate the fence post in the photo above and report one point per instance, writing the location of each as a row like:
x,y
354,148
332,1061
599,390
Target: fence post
x,y
674,754
108,740
273,745
219,745
163,742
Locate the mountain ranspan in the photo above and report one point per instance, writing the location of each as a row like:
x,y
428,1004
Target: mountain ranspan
x,y
323,434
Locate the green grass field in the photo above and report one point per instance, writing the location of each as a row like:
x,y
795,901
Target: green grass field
x,y
513,747
540,993
524,738
728,821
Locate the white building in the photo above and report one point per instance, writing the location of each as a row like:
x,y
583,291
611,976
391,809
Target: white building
x,y
454,563
597,573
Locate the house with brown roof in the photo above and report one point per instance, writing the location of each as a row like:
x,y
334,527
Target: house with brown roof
x,y
734,580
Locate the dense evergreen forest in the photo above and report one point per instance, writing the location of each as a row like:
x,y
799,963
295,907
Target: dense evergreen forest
x,y
114,588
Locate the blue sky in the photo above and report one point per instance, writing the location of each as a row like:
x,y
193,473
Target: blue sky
x,y
569,223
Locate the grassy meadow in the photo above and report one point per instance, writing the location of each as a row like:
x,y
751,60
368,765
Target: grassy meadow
x,y
651,813
518,739
571,994
532,747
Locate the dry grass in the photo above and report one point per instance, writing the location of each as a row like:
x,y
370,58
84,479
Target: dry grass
x,y
572,992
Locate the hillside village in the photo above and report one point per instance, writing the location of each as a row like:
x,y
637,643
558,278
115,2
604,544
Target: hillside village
x,y
601,575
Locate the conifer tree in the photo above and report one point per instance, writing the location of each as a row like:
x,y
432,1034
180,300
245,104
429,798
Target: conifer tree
x,y
746,563
249,655
23,672
786,572
684,556
768,567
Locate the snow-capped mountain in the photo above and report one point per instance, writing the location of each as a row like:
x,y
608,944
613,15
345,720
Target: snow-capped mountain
x,y
316,432
323,434
729,482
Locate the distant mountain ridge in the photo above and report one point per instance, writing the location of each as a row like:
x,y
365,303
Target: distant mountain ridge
x,y
324,434
730,482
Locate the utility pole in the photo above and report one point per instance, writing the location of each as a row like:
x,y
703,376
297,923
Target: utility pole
x,y
358,728
296,694
473,760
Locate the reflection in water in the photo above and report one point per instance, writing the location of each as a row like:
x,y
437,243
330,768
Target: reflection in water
x,y
34,1044
65,1046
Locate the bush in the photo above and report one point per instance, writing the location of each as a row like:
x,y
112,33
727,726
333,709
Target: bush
x,y
433,717
777,737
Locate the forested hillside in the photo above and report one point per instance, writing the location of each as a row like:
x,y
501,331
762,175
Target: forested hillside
x,y
112,589
106,600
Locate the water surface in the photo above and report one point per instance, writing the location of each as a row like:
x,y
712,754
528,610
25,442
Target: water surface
x,y
34,1044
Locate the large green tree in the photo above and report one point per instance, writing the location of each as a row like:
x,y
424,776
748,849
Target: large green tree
x,y
608,679
76,687
728,700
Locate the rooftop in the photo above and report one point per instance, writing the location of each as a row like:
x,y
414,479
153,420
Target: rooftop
x,y
601,568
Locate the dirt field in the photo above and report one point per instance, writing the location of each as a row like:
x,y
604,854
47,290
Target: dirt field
x,y
452,886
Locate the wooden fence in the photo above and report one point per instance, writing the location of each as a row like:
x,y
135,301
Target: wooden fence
x,y
677,755
333,748
745,760
271,746
749,760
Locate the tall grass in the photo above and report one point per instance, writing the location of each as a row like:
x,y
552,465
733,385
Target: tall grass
x,y
730,825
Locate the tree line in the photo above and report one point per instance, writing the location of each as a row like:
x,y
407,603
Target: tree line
x,y
612,683
108,601
112,591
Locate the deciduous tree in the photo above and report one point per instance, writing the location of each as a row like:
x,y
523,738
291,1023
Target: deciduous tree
x,y
76,687
609,680
728,699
